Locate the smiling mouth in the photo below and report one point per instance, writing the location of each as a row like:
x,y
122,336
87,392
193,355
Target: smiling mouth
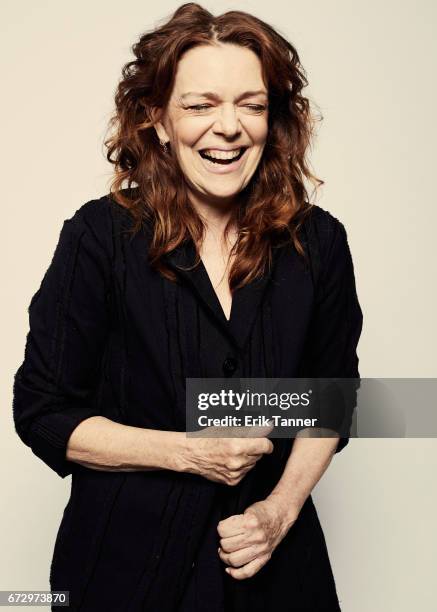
x,y
224,162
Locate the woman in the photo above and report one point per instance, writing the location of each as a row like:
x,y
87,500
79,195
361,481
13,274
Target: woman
x,y
210,263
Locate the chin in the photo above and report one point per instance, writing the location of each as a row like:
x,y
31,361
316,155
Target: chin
x,y
225,189
226,193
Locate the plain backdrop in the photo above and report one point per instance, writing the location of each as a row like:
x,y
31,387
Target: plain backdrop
x,y
371,70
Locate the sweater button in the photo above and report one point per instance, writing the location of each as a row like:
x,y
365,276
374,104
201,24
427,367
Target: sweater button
x,y
230,364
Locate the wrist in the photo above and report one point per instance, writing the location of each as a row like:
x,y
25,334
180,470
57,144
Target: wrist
x,y
286,506
176,453
163,450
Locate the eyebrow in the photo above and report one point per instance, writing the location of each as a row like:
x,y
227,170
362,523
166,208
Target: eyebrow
x,y
214,96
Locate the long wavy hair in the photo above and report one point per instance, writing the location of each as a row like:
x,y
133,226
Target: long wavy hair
x,y
273,205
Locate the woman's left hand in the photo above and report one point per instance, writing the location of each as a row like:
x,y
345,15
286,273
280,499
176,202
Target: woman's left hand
x,y
248,540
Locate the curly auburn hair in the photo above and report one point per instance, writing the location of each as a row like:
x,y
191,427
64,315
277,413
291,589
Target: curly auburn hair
x,y
275,202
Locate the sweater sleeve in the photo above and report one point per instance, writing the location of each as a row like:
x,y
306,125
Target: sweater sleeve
x,y
336,325
54,388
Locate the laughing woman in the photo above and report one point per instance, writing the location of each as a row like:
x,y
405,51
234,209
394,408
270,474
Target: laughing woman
x,y
206,259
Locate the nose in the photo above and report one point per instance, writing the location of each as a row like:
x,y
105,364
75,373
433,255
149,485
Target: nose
x,y
227,122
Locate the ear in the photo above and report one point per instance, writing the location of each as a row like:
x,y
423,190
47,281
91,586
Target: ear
x,y
155,114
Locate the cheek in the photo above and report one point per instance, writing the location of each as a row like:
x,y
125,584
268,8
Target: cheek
x,y
189,132
257,131
261,133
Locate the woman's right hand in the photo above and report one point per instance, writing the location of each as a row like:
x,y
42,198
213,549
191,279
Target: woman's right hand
x,y
225,459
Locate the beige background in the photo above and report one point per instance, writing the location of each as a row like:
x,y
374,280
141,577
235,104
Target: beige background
x,y
371,67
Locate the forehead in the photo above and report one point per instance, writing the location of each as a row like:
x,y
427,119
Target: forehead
x,y
224,68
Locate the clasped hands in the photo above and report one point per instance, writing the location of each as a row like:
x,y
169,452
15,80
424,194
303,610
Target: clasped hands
x,y
247,540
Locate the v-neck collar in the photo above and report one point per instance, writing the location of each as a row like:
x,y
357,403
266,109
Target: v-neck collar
x,y
245,300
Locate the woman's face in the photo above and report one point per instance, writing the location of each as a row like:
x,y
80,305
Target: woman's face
x,y
218,109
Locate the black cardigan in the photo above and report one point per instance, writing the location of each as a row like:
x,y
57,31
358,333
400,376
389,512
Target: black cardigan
x,y
110,336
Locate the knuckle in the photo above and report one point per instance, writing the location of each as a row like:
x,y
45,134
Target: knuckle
x,y
264,548
235,448
260,535
251,521
235,473
233,464
232,560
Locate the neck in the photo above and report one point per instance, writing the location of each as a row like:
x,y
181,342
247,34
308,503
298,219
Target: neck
x,y
215,214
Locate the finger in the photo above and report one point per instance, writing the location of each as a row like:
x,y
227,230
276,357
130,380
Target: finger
x,y
249,461
231,526
250,569
240,557
260,447
257,431
241,472
217,431
233,543
242,468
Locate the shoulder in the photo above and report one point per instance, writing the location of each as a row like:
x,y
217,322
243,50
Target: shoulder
x,y
328,231
99,215
324,222
96,222
328,245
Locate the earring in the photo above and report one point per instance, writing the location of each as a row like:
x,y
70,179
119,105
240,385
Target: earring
x,y
164,146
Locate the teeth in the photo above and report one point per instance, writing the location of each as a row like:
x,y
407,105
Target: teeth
x,y
221,154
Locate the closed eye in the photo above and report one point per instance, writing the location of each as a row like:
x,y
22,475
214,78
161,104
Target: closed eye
x,y
199,107
256,107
